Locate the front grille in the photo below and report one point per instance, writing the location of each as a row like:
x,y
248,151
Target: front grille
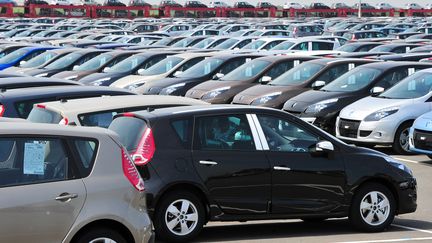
x,y
422,139
348,128
365,133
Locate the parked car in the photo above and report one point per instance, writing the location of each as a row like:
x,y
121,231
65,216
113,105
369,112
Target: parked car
x,y
321,107
99,111
420,135
318,6
385,6
339,5
265,5
359,46
412,6
209,68
22,54
301,30
66,166
140,3
17,103
243,5
293,5
311,74
395,48
29,82
363,6
195,4
393,112
117,3
218,4
211,145
258,71
170,3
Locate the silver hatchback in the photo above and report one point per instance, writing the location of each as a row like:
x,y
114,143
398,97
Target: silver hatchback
x,y
68,184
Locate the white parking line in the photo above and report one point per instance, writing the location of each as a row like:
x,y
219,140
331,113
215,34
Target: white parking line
x,y
407,160
411,228
389,240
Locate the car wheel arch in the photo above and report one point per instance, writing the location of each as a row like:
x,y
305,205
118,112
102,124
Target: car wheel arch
x,y
105,223
377,180
186,186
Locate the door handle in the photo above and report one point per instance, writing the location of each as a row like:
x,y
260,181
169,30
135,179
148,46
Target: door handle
x,y
281,168
206,162
64,197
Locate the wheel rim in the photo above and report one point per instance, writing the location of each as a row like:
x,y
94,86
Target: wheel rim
x,y
403,139
375,208
103,240
181,217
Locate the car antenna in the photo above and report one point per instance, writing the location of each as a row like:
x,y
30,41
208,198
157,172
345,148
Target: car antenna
x,y
150,109
63,101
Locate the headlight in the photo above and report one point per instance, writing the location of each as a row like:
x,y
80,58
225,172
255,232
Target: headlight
x,y
171,89
41,75
99,82
212,94
398,165
265,99
317,107
71,77
378,115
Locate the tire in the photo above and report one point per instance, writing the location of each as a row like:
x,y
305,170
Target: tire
x,y
172,204
97,235
400,143
365,211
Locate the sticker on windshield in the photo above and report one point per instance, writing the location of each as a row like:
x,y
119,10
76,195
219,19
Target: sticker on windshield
x,y
351,66
296,62
34,158
411,71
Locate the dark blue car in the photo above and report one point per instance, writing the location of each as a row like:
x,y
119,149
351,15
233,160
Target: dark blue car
x,y
22,54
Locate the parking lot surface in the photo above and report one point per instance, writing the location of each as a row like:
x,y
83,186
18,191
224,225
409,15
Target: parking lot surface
x,y
409,227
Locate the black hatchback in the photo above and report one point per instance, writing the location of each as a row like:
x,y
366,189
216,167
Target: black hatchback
x,y
239,163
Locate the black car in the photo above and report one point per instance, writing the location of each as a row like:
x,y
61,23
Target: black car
x,y
243,5
128,66
195,4
65,63
318,6
321,107
237,163
28,82
114,3
209,68
395,47
17,103
358,46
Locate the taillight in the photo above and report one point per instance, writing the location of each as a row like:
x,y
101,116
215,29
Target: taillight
x,y
146,148
64,121
295,31
353,37
2,110
131,172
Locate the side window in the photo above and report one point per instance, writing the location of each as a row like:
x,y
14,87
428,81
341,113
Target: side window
x,y
189,64
24,108
36,53
32,161
322,46
182,129
231,65
271,45
279,69
301,46
225,132
86,58
152,61
87,154
117,60
365,48
243,43
286,136
392,78
100,119
333,73
401,49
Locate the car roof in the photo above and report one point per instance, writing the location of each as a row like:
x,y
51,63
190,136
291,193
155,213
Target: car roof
x,y
388,65
29,79
116,102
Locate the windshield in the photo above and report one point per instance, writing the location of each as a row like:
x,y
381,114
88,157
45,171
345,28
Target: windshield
x,y
382,48
226,44
203,43
415,86
24,33
257,33
347,48
13,55
286,45
202,68
42,34
246,71
59,34
163,66
94,63
39,60
64,61
353,80
298,75
254,45
127,64
183,43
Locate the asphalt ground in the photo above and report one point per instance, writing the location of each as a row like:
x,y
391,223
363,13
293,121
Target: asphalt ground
x,y
414,227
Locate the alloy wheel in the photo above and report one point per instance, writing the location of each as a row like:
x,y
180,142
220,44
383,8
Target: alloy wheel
x,y
375,208
181,217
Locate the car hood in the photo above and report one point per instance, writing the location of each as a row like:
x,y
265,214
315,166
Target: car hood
x,y
249,95
213,84
366,106
300,102
98,76
135,79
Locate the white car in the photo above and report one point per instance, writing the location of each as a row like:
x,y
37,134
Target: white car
x,y
387,118
412,6
60,2
218,4
383,6
420,136
293,5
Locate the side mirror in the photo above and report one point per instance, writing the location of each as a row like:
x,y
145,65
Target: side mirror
x,y
140,71
318,84
106,69
75,67
218,76
376,91
324,146
177,73
22,63
266,79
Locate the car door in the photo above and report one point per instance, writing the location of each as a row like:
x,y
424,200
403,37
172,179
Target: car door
x,y
229,159
39,199
302,183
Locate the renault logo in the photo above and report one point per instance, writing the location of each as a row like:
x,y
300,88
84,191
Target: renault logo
x,y
293,105
346,127
241,97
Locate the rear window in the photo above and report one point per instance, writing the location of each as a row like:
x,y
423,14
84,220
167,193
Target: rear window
x,y
40,115
130,130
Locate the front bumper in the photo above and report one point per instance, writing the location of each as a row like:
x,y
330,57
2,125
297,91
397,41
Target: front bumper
x,y
423,140
373,132
407,196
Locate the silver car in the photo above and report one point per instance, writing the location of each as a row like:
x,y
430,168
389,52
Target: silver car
x,y
420,136
68,184
387,118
